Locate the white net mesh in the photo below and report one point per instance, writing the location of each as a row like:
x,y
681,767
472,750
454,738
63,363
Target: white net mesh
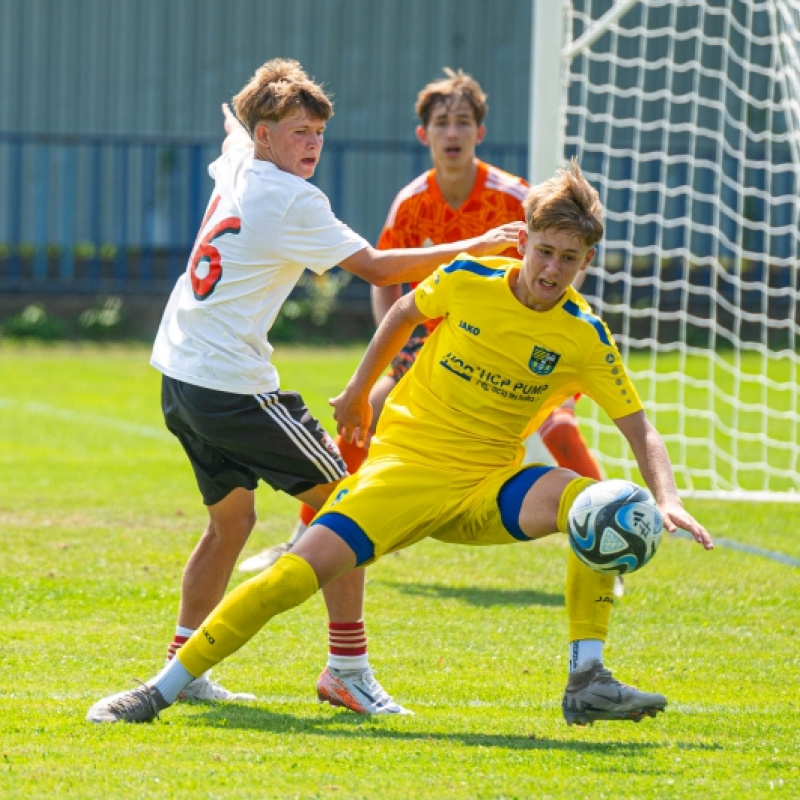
x,y
686,117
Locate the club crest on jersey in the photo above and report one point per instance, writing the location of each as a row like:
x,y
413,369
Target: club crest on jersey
x,y
543,362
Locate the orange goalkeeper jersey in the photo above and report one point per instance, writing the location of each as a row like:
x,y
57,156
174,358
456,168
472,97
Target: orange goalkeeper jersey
x,y
421,217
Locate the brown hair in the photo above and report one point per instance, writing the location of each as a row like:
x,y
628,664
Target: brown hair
x,y
279,87
448,90
566,202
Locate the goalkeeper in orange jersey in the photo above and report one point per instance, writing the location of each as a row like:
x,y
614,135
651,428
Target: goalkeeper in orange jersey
x,y
516,340
460,197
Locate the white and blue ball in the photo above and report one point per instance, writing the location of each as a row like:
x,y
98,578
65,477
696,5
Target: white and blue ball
x,y
614,527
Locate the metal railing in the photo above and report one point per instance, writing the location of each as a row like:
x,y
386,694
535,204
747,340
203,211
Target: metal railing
x,y
103,214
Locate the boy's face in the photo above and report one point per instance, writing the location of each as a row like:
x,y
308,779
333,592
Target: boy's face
x,y
293,144
452,134
551,260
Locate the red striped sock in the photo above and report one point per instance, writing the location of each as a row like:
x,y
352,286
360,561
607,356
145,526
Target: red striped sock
x,y
179,640
347,645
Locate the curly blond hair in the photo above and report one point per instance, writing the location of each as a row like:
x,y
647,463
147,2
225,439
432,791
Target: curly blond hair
x,y
566,202
279,87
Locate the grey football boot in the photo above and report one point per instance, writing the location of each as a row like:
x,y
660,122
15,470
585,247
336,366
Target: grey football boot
x,y
593,694
141,704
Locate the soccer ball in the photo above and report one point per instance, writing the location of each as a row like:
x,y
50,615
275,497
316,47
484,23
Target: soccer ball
x,y
614,527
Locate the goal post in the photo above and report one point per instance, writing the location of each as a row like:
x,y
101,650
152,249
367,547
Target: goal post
x,y
686,118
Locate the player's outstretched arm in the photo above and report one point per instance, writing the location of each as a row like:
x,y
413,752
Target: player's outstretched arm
x,y
351,409
236,133
651,455
387,267
382,299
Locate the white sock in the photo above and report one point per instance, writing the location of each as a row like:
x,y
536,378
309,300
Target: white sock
x,y
582,652
348,662
172,680
298,531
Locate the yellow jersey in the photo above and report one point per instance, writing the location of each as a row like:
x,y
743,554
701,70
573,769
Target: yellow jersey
x,y
494,369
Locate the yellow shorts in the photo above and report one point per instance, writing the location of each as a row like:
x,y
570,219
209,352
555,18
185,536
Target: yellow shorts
x,y
390,504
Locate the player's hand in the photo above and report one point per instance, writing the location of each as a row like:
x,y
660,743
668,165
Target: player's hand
x,y
499,239
236,132
230,123
353,415
676,516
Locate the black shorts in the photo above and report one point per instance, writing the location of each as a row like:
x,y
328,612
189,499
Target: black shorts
x,y
233,440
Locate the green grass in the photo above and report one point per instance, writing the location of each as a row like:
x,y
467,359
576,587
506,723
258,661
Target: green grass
x,y
98,512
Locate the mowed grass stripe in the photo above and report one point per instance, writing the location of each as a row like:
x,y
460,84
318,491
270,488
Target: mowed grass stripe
x,y
84,418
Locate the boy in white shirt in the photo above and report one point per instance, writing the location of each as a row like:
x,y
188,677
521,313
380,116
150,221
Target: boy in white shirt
x,y
221,396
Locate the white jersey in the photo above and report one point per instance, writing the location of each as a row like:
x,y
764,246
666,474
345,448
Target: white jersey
x,y
262,228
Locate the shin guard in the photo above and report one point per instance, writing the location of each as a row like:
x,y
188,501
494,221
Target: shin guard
x,y
289,582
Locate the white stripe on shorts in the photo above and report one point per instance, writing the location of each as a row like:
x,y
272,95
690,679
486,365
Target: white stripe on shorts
x,y
303,439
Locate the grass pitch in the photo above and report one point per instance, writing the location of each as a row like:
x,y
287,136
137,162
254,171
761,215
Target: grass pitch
x,y
98,512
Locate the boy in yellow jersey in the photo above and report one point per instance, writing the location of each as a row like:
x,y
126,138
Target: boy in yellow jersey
x,y
515,341
460,197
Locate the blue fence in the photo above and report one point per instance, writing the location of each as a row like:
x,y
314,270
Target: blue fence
x,y
120,213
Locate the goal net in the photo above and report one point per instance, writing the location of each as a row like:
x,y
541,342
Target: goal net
x,y
686,117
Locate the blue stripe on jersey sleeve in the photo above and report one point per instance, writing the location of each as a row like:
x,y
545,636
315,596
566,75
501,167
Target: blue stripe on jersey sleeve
x,y
572,307
474,267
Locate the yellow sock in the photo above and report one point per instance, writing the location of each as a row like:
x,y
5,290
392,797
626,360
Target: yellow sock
x,y
590,597
572,490
289,582
590,594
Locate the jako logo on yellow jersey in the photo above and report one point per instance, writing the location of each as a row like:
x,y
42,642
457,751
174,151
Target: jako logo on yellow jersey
x,y
469,328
